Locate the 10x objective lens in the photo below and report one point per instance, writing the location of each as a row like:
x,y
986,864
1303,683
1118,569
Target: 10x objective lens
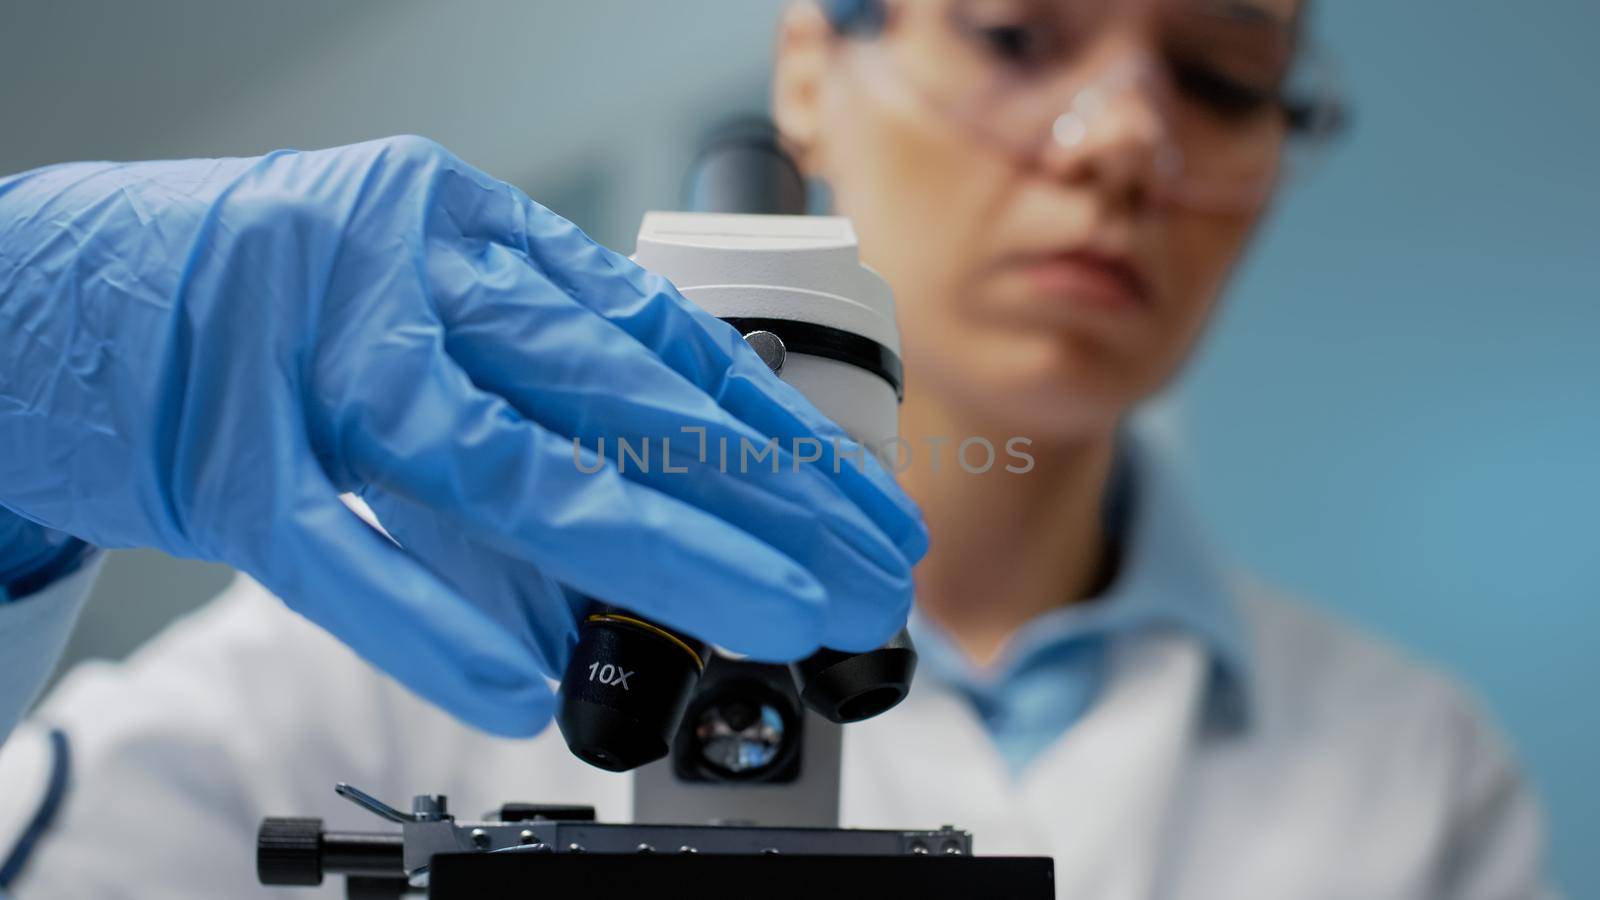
x,y
625,689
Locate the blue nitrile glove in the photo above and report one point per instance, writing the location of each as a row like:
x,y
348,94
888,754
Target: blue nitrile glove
x,y
199,356
31,555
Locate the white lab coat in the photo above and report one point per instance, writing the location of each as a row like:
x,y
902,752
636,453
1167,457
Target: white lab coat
x,y
1361,776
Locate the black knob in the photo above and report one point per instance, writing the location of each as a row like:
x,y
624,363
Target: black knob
x,y
850,687
289,852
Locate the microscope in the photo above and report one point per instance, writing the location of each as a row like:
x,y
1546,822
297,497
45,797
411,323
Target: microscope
x,y
736,763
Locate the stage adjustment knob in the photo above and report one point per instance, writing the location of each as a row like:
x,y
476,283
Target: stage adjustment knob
x,y
289,852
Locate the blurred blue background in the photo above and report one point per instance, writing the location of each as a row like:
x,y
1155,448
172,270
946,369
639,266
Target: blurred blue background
x,y
1398,414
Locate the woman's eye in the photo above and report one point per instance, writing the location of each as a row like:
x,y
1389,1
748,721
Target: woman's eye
x,y
1018,44
1220,92
1011,41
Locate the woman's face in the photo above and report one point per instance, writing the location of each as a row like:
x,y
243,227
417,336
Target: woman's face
x,y
1055,189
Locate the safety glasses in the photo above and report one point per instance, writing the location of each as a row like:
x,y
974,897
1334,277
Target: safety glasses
x,y
1221,94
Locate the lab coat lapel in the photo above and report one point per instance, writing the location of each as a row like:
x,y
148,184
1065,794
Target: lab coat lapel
x,y
929,762
1104,791
1096,801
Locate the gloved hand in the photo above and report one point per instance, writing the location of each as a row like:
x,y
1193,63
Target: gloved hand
x,y
200,356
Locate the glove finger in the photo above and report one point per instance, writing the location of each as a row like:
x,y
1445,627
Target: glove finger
x,y
512,591
711,355
343,575
476,443
521,490
702,350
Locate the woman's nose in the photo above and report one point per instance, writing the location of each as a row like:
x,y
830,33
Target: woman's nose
x,y
1114,135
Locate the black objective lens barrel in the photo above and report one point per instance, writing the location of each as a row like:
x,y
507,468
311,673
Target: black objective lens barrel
x,y
626,688
850,687
629,682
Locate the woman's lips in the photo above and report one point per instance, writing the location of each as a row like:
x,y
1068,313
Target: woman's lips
x,y
1094,280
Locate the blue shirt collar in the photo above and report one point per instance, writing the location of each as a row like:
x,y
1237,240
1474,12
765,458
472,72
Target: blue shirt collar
x,y
1168,577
